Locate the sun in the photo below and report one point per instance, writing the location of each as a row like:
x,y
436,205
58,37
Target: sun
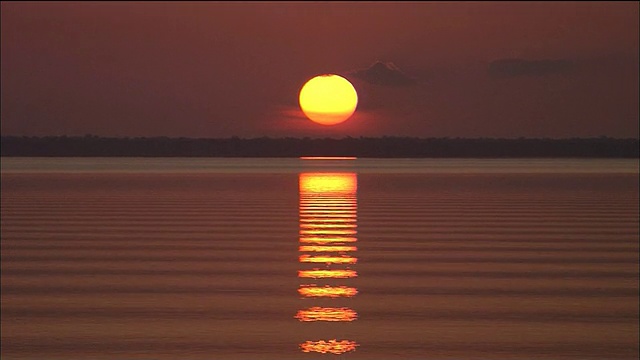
x,y
328,99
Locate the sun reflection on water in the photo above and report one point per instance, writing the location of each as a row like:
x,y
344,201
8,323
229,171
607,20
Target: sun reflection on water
x,y
327,274
343,259
333,346
327,291
328,229
335,248
328,184
326,240
318,313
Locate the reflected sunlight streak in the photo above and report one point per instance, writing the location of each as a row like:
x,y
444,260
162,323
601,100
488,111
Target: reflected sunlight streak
x,y
328,228
330,219
327,274
328,157
336,248
344,259
328,183
327,291
327,232
332,346
327,240
318,313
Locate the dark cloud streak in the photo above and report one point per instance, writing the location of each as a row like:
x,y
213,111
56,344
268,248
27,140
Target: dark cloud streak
x,y
506,68
385,74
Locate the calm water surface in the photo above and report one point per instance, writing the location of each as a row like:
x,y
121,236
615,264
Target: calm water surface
x,y
120,258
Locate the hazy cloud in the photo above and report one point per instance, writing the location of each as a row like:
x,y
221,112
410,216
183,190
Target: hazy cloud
x,y
385,74
504,68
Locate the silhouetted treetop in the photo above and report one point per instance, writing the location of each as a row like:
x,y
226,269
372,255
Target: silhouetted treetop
x,y
384,147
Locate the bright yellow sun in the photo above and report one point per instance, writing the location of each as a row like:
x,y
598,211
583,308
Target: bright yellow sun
x,y
328,99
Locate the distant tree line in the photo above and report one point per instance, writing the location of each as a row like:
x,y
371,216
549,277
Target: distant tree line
x,y
382,147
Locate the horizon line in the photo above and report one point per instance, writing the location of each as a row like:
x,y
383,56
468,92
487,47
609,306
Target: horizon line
x,y
234,137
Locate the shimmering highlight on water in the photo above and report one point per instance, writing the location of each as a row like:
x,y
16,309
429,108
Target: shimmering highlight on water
x,y
201,258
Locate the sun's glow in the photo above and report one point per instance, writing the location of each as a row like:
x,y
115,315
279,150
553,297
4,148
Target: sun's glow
x,y
328,99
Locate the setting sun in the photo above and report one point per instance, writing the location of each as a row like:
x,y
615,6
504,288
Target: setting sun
x,y
328,99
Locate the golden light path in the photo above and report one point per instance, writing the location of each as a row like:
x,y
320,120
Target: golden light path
x,y
327,291
333,225
328,157
333,346
327,184
344,259
327,274
327,232
336,248
318,313
328,99
326,240
328,229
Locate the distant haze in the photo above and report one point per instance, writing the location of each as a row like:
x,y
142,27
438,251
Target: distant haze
x,y
221,69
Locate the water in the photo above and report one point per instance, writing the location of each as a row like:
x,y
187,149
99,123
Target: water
x,y
289,258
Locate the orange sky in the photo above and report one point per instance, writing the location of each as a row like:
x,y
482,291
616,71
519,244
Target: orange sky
x,y
222,69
